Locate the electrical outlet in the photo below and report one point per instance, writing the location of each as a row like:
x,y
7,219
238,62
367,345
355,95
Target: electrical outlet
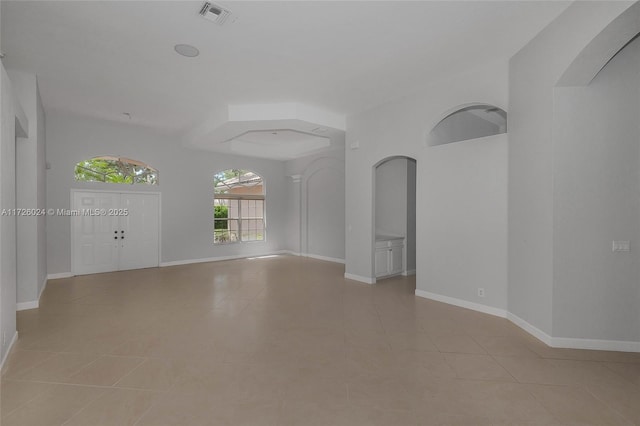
x,y
4,338
480,292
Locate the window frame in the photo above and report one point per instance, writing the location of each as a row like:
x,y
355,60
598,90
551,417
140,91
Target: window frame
x,y
240,217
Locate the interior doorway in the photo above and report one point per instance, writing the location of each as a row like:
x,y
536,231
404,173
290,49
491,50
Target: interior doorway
x,y
394,217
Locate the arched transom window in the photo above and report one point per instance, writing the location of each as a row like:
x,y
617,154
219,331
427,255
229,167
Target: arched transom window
x,y
238,206
469,122
112,169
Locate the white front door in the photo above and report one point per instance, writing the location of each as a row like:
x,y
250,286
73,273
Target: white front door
x,y
94,238
139,231
114,241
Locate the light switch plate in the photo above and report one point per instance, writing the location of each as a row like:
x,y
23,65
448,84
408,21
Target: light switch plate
x,y
620,246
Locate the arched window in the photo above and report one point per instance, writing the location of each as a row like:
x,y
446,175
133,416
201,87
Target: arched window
x,y
238,206
470,122
115,170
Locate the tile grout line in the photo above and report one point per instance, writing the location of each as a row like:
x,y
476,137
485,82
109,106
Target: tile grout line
x,y
130,372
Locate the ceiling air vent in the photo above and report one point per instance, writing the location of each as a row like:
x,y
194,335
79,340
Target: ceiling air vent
x,y
215,13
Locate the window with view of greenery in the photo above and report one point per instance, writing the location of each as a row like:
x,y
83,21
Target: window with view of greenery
x,y
238,206
115,170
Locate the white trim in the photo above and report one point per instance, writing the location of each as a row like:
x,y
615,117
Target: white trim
x,y
33,304
218,259
554,342
409,272
314,256
360,278
59,275
463,303
325,258
573,343
9,349
532,330
595,344
44,285
115,191
23,306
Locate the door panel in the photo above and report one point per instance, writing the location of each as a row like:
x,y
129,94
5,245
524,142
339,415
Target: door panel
x,y
96,249
139,248
382,262
396,260
98,240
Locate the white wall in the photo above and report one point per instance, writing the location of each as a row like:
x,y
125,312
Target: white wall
x,y
533,73
400,128
186,184
391,197
9,125
41,166
465,220
315,224
30,192
596,172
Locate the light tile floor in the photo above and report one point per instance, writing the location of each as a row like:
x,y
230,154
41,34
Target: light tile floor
x,y
289,341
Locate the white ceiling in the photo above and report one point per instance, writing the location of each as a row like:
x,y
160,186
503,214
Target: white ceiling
x,y
103,58
282,144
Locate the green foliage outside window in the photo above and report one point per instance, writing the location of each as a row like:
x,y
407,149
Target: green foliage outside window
x,y
115,170
220,212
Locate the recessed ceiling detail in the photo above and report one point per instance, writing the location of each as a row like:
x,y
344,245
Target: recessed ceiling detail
x,y
276,131
282,143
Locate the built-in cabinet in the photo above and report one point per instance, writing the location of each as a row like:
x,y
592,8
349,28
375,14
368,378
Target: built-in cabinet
x,y
389,254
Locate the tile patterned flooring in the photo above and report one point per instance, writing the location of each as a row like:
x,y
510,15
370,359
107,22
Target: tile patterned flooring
x,y
289,341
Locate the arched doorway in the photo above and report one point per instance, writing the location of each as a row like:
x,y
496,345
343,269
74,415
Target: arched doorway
x,y
394,217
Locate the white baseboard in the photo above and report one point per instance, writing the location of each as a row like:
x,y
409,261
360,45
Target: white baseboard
x,y
23,306
59,275
325,258
14,339
409,272
554,342
573,343
595,344
44,285
314,256
463,303
366,280
218,259
531,329
33,304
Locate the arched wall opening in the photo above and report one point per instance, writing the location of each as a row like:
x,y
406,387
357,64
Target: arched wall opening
x,y
469,121
573,181
317,225
596,186
394,217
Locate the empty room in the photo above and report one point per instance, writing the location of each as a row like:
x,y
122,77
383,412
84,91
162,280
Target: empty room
x,y
319,213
